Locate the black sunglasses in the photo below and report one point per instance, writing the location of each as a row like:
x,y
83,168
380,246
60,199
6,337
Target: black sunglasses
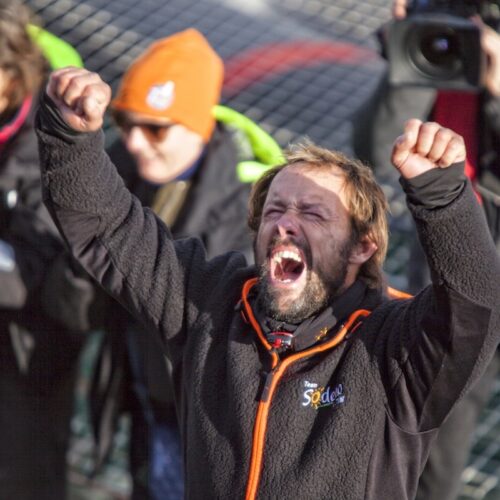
x,y
153,131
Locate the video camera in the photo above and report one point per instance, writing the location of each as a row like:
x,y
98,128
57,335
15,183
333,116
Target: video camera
x,y
438,45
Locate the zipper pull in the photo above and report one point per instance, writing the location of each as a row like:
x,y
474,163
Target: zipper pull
x,y
279,340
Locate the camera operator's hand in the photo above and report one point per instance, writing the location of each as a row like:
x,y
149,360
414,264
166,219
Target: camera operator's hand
x,y
80,96
490,43
399,9
425,146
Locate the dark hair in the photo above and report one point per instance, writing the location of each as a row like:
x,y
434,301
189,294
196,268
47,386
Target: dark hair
x,y
20,58
367,203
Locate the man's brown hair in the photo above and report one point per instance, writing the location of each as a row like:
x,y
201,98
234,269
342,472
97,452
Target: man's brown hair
x,y
20,57
366,201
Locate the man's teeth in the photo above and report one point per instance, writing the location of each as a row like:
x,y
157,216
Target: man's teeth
x,y
286,254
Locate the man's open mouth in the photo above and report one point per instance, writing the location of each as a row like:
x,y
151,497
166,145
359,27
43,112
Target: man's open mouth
x,y
287,265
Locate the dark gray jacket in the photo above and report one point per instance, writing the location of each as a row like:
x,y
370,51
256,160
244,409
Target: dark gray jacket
x,y
386,388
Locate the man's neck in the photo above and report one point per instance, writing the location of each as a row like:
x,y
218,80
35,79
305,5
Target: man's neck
x,y
318,327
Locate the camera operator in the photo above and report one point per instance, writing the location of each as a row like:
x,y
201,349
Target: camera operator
x,y
475,114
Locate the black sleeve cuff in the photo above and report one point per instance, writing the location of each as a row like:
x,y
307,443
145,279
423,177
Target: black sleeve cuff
x,y
50,121
435,188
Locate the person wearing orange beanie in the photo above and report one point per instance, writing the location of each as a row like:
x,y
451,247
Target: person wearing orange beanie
x,y
164,105
182,162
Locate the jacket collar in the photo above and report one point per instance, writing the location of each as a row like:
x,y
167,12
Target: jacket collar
x,y
319,328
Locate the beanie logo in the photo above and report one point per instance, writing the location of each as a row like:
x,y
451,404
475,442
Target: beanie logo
x,y
320,397
161,96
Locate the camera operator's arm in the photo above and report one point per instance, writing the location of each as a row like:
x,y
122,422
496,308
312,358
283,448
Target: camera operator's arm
x,y
392,106
490,42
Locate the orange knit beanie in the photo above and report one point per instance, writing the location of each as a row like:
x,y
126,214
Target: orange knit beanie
x,y
178,77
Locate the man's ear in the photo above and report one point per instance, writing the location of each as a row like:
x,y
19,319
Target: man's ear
x,y
362,250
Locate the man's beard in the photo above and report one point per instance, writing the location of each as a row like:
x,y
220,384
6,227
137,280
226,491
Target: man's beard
x,y
320,289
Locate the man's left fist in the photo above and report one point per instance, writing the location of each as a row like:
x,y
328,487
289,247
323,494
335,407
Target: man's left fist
x,y
425,146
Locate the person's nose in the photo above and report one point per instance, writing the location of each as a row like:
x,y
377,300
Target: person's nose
x,y
135,139
287,225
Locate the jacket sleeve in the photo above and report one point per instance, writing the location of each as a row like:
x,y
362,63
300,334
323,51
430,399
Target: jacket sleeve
x,y
438,344
122,245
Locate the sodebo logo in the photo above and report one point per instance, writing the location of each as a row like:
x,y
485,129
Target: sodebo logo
x,y
321,397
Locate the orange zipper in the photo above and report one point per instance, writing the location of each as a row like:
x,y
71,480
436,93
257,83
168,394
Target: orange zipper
x,y
272,379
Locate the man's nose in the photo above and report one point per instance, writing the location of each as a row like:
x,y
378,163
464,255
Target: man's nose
x,y
287,225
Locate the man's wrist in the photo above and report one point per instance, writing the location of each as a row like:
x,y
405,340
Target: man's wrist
x,y
435,188
51,121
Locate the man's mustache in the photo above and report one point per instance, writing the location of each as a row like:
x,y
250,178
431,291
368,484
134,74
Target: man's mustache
x,y
278,240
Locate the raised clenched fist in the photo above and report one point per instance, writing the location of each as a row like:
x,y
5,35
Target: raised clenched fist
x,y
424,146
81,97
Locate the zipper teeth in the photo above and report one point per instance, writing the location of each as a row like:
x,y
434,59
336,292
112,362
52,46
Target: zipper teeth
x,y
260,433
256,457
260,426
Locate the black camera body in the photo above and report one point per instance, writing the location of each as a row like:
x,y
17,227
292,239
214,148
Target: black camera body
x,y
438,45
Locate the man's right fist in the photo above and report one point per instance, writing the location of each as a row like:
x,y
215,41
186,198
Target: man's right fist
x,y
81,97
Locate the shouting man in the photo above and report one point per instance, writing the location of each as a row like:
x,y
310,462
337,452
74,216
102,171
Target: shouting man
x,y
300,377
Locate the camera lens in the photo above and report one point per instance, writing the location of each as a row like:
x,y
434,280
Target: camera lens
x,y
436,52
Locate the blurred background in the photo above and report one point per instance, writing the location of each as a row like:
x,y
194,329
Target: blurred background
x,y
296,67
